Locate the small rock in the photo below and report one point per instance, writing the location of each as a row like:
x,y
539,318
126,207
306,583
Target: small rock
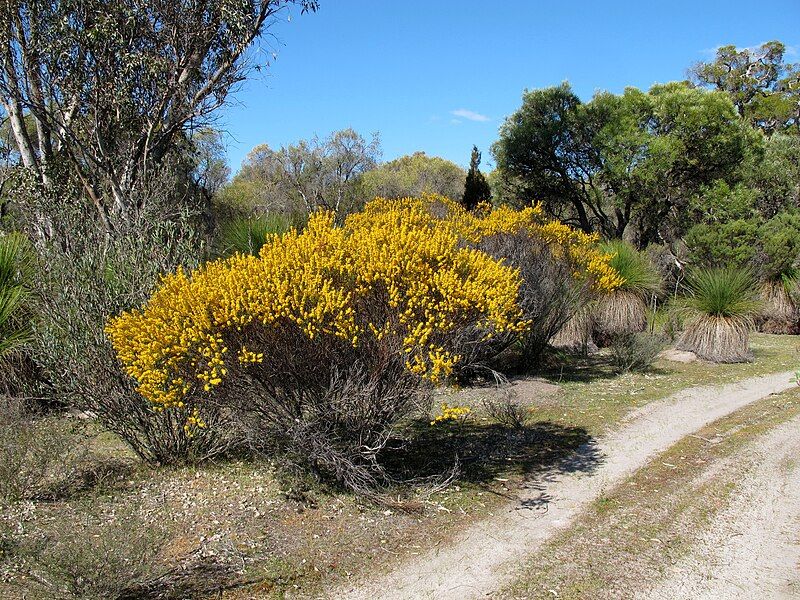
x,y
682,356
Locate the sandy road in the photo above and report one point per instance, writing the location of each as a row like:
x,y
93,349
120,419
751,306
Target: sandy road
x,y
752,547
482,558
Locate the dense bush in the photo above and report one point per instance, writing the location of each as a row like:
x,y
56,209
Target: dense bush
x,y
319,341
550,295
323,343
735,234
83,276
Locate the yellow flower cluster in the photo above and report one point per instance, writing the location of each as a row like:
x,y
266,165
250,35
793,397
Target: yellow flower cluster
x,y
321,281
451,413
581,248
194,422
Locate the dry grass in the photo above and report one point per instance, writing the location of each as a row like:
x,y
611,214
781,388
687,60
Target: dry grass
x,y
576,334
718,339
621,311
779,314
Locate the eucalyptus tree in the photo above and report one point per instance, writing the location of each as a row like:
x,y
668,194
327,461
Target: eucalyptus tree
x,y
112,88
764,88
305,176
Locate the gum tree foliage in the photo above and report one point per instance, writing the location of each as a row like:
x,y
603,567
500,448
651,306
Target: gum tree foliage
x,y
764,88
311,174
112,87
476,188
775,176
622,165
412,176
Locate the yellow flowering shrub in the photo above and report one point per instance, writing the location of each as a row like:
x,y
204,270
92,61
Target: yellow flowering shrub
x,y
560,269
323,342
582,249
191,335
450,413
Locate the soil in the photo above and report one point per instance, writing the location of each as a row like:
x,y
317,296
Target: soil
x,y
752,548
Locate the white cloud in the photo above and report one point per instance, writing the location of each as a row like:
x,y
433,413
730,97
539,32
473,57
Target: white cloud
x,y
470,115
455,122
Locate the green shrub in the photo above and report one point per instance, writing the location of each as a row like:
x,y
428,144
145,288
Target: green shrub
x,y
632,351
732,243
84,275
780,245
638,273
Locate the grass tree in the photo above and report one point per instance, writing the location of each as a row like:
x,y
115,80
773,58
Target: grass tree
x,y
780,244
719,311
15,327
624,310
247,235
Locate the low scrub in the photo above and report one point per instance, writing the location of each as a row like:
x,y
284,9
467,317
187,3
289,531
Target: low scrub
x,y
550,295
632,351
38,455
117,552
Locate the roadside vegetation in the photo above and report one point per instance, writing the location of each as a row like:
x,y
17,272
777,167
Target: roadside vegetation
x,y
274,381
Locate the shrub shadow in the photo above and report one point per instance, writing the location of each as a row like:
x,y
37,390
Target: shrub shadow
x,y
484,452
587,369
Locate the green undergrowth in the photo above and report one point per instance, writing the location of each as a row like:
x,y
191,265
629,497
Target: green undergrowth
x,y
592,396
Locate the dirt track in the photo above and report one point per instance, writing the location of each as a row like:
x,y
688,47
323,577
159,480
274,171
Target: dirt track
x,y
483,558
752,548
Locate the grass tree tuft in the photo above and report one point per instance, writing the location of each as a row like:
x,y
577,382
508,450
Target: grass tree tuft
x,y
624,310
719,311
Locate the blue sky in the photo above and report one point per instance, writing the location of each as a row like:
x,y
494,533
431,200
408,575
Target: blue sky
x,y
440,75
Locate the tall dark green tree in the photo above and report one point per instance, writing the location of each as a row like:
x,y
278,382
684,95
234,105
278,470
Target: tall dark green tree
x,y
476,188
622,165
